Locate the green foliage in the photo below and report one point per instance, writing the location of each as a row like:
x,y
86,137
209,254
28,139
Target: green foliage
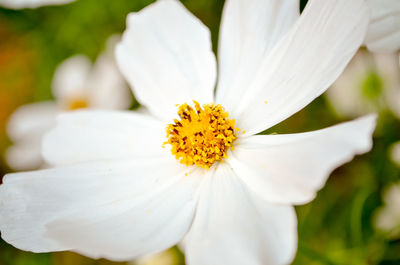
x,y
336,228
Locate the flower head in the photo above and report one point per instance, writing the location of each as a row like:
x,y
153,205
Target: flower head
x,y
203,135
117,193
76,85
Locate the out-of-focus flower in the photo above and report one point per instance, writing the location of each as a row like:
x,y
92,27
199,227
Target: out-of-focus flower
x,y
366,85
117,193
26,128
395,153
387,218
393,96
76,84
394,101
384,30
18,4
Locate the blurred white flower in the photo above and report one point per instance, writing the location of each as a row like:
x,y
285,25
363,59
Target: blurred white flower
x,y
384,31
366,85
76,84
117,193
18,4
387,218
393,97
384,37
395,153
394,101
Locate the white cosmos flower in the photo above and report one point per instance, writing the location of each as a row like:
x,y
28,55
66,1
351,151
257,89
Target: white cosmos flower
x,y
117,193
367,84
387,218
76,84
384,31
18,4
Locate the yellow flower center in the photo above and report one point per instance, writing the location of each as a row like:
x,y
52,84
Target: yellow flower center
x,y
77,103
202,136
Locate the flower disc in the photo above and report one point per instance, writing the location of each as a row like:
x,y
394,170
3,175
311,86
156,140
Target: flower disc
x,y
202,136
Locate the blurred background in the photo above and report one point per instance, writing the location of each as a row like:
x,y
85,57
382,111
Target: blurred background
x,y
343,225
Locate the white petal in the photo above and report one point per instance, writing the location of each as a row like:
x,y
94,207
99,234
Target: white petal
x,y
108,89
25,156
95,135
303,64
18,4
117,209
234,227
292,168
31,120
249,30
70,78
25,128
166,56
384,31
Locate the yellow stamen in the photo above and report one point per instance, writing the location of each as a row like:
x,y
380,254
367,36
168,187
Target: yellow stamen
x,y
77,103
202,136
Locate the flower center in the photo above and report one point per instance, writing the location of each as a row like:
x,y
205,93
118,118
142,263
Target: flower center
x,y
202,136
77,103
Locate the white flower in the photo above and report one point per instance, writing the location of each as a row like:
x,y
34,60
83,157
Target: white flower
x,y
116,193
393,95
384,31
76,84
18,4
395,153
367,84
387,218
393,98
